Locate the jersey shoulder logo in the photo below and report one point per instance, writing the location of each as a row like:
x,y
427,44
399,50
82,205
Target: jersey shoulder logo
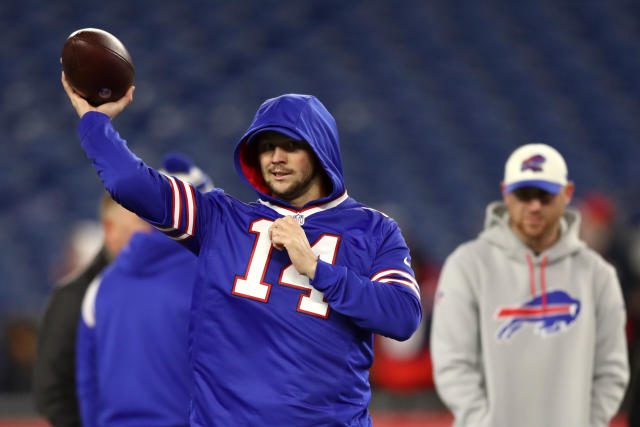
x,y
548,313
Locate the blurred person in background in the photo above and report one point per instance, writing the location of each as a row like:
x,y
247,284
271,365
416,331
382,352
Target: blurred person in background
x,y
404,367
529,323
605,232
603,229
132,345
17,355
630,237
86,240
54,385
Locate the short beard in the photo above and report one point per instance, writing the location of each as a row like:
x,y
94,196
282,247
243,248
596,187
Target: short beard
x,y
540,241
298,189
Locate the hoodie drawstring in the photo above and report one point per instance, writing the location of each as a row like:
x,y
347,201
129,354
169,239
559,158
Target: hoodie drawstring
x,y
532,280
543,283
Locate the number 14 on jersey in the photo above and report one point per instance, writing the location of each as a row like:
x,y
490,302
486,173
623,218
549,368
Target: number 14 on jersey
x,y
252,284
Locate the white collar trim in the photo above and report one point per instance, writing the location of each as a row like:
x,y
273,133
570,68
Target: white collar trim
x,y
306,212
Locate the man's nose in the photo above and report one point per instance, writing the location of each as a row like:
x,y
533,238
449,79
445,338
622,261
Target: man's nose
x,y
279,155
534,204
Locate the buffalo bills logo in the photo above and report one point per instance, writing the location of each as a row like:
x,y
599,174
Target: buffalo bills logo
x,y
533,163
549,313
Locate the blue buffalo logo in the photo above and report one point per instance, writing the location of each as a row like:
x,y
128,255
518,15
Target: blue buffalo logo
x,y
533,163
549,313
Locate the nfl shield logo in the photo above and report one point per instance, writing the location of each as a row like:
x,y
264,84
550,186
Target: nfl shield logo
x,y
299,219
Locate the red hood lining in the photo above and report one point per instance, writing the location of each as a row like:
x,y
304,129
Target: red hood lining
x,y
251,173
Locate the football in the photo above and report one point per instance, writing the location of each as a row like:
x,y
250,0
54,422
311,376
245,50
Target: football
x,y
97,65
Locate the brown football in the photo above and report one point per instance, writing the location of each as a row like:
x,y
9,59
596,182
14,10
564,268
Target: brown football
x,y
97,65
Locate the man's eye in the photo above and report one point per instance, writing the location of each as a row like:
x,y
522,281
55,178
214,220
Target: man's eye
x,y
291,146
526,194
266,146
547,198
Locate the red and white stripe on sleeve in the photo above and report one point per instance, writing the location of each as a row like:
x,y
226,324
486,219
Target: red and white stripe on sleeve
x,y
397,276
183,212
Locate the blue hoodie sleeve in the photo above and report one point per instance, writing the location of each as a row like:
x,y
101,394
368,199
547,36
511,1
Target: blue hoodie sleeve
x,y
86,375
167,203
387,302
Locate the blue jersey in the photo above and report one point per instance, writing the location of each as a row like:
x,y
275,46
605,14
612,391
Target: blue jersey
x,y
269,347
132,365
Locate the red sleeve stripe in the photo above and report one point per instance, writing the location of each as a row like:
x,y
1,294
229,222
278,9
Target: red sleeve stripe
x,y
383,277
190,211
178,206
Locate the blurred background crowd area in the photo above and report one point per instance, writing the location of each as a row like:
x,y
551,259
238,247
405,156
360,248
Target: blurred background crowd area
x,y
430,98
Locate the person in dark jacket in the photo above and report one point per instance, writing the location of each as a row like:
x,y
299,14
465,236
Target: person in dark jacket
x,y
54,372
54,382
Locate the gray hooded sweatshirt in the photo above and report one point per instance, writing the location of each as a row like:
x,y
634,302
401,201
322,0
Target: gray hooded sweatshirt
x,y
526,340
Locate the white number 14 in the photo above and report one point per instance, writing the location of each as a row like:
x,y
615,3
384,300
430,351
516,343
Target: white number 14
x,y
253,286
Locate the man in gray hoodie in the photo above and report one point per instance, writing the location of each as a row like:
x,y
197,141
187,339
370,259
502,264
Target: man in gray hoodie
x,y
528,323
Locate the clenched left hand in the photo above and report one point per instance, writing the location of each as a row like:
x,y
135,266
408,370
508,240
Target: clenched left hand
x,y
286,233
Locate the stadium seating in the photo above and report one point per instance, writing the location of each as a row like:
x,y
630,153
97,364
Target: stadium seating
x,y
430,98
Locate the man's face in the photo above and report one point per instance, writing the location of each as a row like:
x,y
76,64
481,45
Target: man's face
x,y
535,213
287,167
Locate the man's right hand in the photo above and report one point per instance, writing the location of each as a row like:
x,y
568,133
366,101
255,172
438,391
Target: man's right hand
x,y
81,105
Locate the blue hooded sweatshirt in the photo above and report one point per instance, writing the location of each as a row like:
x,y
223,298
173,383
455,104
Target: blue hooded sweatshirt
x,y
271,347
132,365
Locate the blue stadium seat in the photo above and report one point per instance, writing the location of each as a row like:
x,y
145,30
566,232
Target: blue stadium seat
x,y
430,98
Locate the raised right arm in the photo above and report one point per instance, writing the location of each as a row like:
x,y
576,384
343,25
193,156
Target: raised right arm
x,y
126,177
130,182
166,202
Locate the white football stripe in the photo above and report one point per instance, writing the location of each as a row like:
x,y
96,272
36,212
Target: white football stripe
x,y
392,272
177,209
192,210
406,283
177,203
171,230
88,308
181,237
190,202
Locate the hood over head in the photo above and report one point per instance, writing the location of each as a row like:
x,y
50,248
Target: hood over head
x,y
301,117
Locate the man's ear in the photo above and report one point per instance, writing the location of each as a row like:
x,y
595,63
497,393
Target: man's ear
x,y
502,188
108,226
568,191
